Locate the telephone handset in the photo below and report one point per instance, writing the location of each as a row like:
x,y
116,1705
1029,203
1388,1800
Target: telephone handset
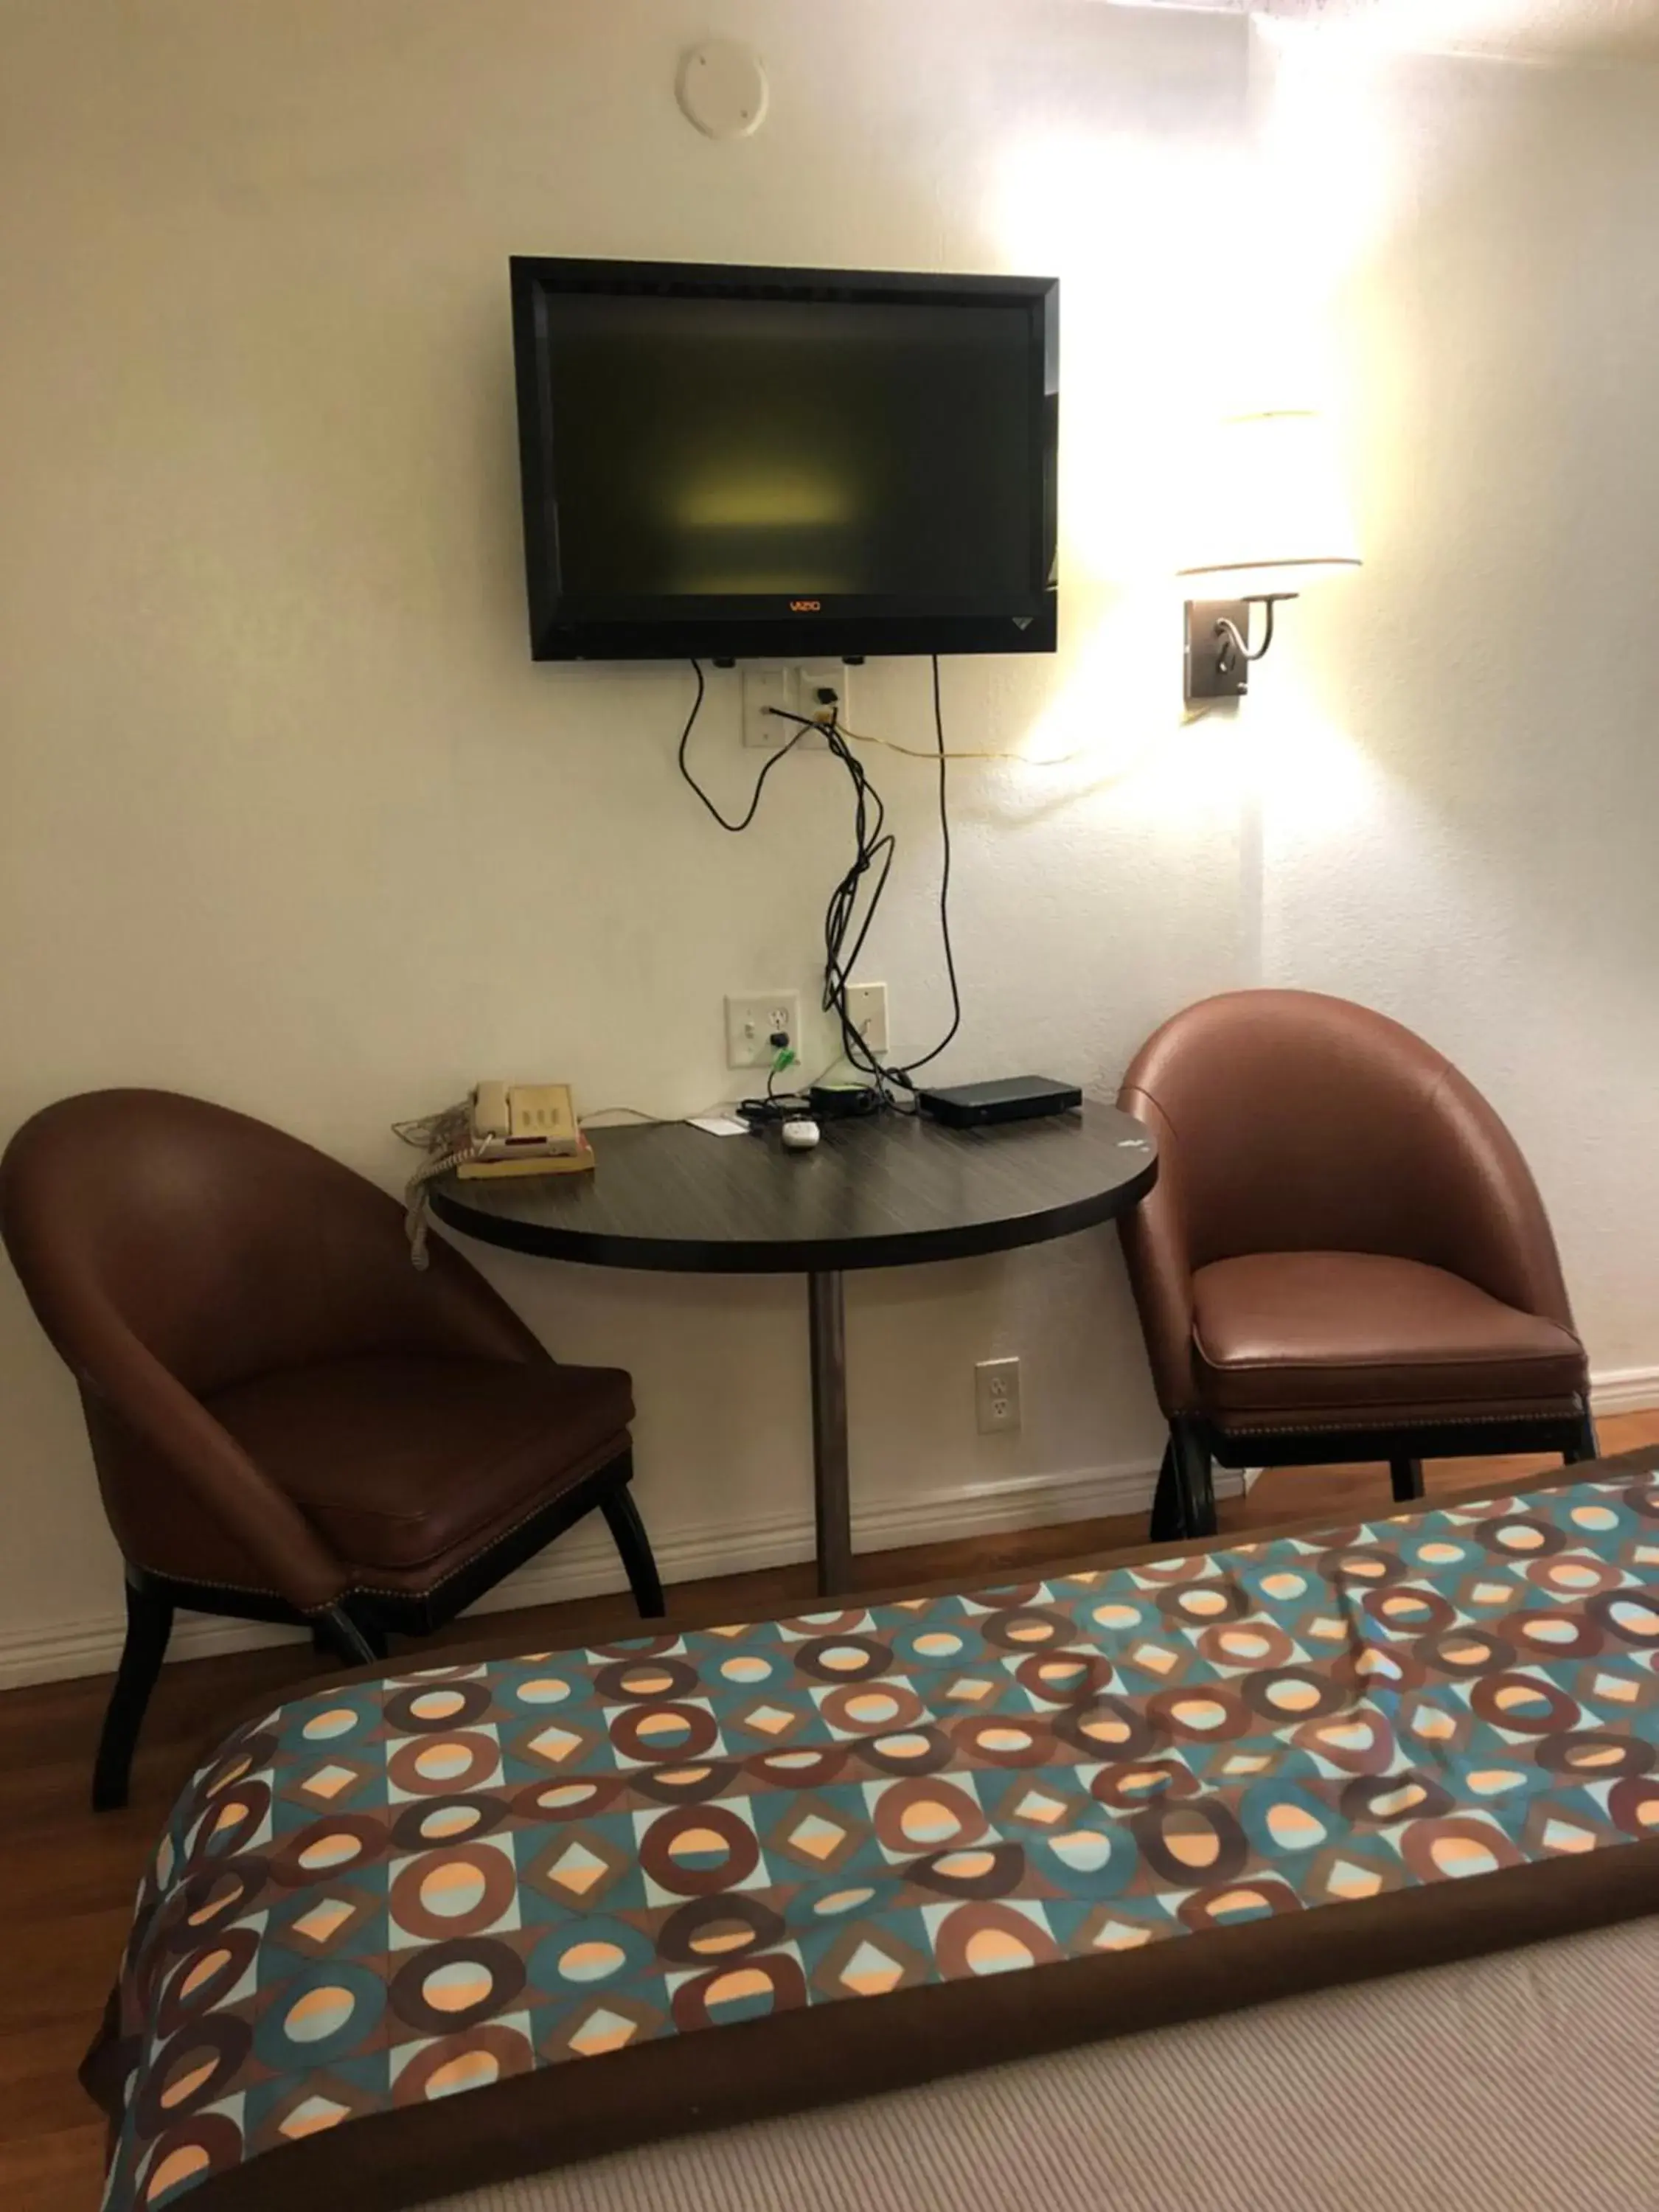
x,y
523,1120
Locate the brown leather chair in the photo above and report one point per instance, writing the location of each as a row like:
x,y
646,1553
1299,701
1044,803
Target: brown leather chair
x,y
289,1422
1344,1258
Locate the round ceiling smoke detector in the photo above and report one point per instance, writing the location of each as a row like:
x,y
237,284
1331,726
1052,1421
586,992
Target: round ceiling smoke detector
x,y
722,90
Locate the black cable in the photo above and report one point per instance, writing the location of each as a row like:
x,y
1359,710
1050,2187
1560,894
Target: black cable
x,y
874,848
838,970
760,781
911,1066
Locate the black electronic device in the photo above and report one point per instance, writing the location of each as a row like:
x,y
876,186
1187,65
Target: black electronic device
x,y
1011,1098
785,463
844,1101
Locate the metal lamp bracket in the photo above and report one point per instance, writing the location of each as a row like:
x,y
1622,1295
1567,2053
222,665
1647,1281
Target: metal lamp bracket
x,y
1219,648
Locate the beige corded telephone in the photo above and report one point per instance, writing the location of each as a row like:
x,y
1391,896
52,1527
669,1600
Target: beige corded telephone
x,y
523,1120
502,1129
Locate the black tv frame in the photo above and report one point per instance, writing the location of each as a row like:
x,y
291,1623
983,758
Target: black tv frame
x,y
563,629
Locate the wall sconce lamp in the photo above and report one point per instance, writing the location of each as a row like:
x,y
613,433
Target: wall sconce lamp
x,y
1272,519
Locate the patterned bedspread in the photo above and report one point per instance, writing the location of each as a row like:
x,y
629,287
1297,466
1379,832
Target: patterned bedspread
x,y
407,1889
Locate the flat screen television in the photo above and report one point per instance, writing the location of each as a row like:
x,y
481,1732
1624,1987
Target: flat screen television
x,y
785,463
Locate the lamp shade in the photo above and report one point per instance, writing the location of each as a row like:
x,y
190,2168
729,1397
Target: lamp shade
x,y
1268,514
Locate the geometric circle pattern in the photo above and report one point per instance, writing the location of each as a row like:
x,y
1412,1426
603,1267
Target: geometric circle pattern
x,y
416,1888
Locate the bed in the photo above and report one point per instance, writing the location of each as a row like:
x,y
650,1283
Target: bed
x,y
590,1927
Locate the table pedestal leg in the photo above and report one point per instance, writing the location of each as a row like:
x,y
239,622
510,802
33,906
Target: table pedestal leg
x,y
827,1320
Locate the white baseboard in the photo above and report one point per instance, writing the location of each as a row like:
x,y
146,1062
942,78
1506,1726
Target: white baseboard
x,y
1625,1391
585,1564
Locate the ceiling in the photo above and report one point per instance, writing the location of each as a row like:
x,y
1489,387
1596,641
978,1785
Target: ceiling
x,y
1602,29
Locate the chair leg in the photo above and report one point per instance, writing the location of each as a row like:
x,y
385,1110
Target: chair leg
x,y
1194,1476
628,1530
337,1635
1407,1476
1586,1448
1166,1526
149,1624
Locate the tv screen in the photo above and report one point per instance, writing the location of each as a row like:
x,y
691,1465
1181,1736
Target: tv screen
x,y
784,463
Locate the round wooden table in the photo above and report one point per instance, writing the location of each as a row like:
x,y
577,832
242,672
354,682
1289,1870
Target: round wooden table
x,y
889,1192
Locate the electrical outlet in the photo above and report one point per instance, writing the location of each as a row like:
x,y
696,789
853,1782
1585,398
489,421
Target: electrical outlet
x,y
796,691
751,1023
866,1005
996,1396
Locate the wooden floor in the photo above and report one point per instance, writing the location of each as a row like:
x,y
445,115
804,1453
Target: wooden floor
x,y
67,1876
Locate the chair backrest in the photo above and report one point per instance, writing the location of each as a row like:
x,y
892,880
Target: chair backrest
x,y
227,1249
1288,1122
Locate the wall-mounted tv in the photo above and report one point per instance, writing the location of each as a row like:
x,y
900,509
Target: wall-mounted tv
x,y
785,463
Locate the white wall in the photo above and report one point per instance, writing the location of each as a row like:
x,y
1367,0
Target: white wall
x,y
1457,762
291,821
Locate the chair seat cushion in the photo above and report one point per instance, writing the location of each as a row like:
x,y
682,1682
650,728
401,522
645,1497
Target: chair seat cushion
x,y
1294,1336
400,1459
